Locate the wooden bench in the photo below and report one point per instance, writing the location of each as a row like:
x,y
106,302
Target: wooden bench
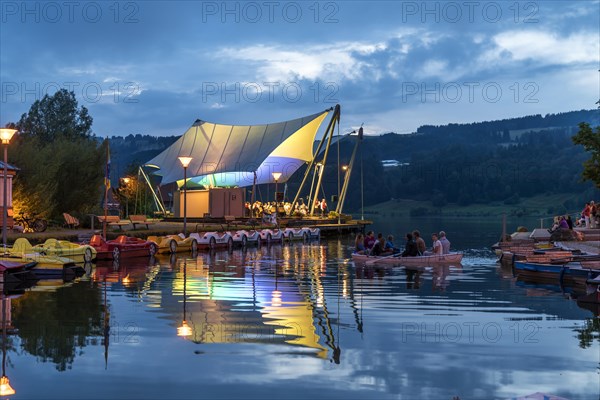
x,y
70,221
141,220
113,220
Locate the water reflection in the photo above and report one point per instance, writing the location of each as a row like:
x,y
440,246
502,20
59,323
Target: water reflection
x,y
255,296
304,319
5,387
52,325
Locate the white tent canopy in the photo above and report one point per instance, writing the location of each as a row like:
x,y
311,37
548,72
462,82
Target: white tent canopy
x,y
228,155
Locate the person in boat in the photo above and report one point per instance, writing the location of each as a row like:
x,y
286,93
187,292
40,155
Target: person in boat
x,y
445,243
411,249
370,240
359,245
436,248
379,248
389,245
420,242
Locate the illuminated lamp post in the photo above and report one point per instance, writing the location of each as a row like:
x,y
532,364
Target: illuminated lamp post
x,y
184,330
276,176
126,181
5,136
185,161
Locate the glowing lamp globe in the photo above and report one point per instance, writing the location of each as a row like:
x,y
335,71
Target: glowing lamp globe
x,y
6,134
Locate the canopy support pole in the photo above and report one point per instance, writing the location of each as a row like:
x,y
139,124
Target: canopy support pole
x,y
330,129
340,205
159,204
335,117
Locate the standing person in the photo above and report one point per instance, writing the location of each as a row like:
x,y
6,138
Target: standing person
x,y
437,245
593,212
323,207
411,249
445,243
586,215
420,242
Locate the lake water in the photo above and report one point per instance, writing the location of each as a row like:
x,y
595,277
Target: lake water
x,y
302,321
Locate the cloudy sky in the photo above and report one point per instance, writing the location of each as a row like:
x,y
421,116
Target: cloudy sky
x,y
153,67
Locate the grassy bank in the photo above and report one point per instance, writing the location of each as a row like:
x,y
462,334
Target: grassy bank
x,y
538,206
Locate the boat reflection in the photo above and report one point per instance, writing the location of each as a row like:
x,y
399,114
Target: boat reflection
x,y
441,275
584,296
267,295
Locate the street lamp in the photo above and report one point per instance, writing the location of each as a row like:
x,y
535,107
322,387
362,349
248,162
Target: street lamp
x,y
276,176
126,181
185,161
184,330
5,136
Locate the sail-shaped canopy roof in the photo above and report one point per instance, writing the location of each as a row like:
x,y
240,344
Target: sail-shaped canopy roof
x,y
229,155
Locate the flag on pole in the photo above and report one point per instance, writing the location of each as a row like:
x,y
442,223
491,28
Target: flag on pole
x,y
107,175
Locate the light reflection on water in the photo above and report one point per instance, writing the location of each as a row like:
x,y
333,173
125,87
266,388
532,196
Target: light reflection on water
x,y
300,321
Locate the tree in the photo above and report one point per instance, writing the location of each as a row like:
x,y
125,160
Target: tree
x,y
60,161
590,141
56,116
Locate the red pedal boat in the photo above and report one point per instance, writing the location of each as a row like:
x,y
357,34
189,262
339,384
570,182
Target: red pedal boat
x,y
122,247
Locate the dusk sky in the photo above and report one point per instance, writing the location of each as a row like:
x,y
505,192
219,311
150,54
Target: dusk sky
x,y
154,67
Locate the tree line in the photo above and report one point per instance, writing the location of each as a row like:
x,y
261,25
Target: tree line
x,y
61,161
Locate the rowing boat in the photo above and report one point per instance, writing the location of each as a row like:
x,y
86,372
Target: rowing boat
x,y
418,261
577,271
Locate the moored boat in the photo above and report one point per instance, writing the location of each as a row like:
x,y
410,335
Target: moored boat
x,y
418,261
213,240
577,271
16,271
63,248
122,247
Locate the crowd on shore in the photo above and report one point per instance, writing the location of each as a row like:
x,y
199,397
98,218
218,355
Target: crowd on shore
x,y
415,245
589,219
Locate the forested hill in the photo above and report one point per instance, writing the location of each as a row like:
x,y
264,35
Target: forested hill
x,y
129,152
481,162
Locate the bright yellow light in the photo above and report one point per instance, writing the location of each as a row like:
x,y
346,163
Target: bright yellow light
x,y
184,330
344,167
276,175
276,298
126,280
185,161
6,134
5,388
126,180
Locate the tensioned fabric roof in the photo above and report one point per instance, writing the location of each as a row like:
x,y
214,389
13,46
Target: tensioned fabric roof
x,y
228,155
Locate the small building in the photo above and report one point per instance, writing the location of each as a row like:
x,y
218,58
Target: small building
x,y
11,172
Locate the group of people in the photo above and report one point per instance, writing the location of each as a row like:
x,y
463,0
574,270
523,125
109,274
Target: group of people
x,y
259,209
415,245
